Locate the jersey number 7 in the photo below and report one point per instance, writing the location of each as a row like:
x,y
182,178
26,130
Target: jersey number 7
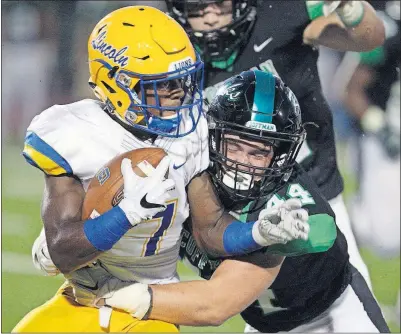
x,y
165,218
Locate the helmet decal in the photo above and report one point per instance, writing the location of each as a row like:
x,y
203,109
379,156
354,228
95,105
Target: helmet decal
x,y
180,64
261,126
109,51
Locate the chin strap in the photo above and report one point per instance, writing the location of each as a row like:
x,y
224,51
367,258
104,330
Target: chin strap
x,y
165,124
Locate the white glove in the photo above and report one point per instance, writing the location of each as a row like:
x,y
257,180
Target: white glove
x,y
281,224
144,197
330,6
133,298
350,12
41,257
373,119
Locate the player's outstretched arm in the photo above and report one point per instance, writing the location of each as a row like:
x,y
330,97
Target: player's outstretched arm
x,y
220,234
352,26
212,302
199,303
61,214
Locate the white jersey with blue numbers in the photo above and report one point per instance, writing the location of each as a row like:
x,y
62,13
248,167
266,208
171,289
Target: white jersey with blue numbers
x,y
78,139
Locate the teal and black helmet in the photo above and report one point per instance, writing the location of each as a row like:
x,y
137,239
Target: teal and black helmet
x,y
254,106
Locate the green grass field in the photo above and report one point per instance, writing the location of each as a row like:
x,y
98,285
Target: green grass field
x,y
23,287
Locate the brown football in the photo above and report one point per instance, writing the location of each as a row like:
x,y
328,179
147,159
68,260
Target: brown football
x,y
106,188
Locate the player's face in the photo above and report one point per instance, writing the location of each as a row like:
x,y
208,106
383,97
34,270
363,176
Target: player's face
x,y
213,16
247,152
170,94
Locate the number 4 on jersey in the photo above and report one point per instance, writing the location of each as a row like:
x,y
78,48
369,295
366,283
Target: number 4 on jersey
x,y
267,301
294,190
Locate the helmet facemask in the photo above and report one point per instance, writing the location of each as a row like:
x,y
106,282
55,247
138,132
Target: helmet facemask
x,y
181,89
245,181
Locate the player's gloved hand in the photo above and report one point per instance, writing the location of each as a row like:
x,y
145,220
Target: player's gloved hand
x,y
350,12
283,223
41,257
144,197
133,298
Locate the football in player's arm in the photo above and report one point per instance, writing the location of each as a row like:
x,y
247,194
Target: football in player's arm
x,y
152,99
252,150
246,151
233,284
254,174
73,243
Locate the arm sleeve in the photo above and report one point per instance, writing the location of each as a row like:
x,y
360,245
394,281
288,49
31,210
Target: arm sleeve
x,y
372,58
40,154
314,9
47,136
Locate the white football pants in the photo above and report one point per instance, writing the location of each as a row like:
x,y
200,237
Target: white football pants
x,y
344,224
376,213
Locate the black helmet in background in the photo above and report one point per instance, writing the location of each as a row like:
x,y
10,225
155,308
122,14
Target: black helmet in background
x,y
218,47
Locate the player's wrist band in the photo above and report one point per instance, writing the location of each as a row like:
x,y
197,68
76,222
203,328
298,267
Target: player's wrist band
x,y
315,9
351,14
104,231
238,238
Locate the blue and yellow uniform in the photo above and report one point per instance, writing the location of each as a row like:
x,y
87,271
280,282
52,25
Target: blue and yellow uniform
x,y
78,139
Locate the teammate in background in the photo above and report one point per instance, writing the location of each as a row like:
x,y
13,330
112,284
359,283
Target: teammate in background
x,y
281,37
373,98
319,292
150,89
